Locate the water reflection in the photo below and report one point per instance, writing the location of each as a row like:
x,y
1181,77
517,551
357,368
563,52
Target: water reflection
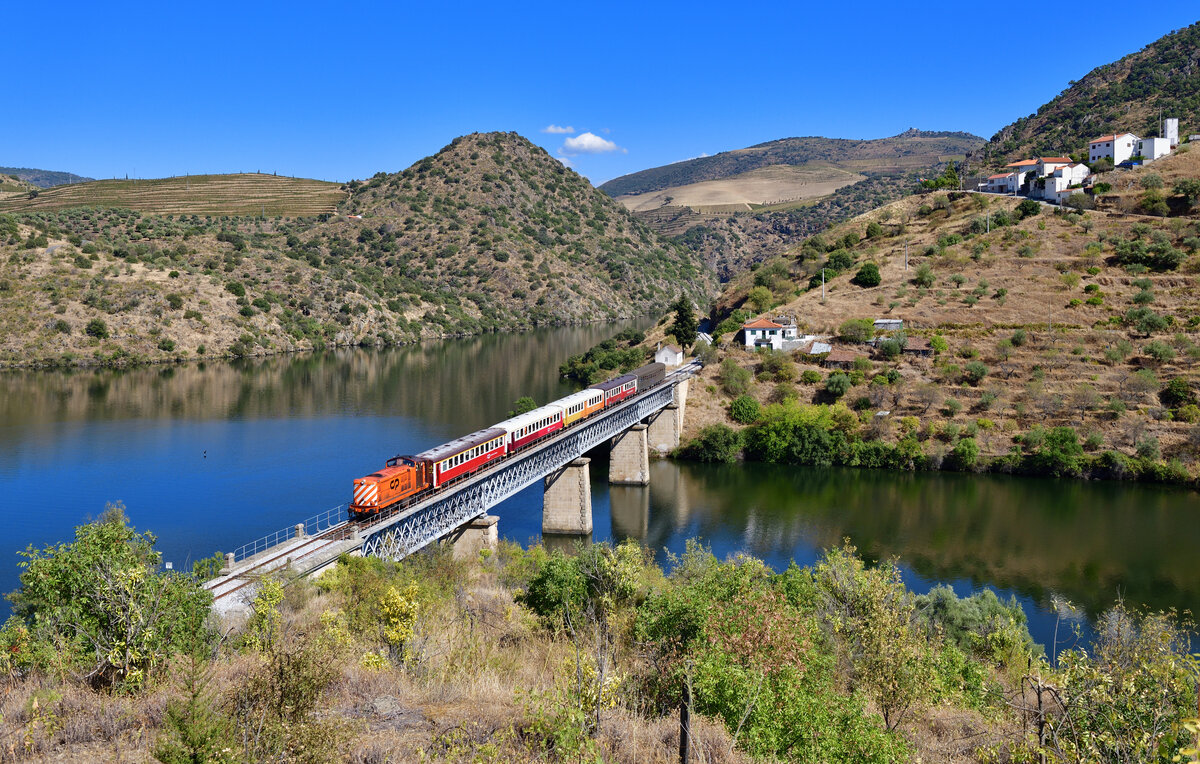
x,y
1089,542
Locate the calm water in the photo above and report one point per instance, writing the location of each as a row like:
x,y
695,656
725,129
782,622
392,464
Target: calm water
x,y
211,456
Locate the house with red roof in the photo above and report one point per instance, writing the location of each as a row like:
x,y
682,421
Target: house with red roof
x,y
1118,147
766,332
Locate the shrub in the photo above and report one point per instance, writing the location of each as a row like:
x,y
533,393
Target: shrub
x,y
62,327
839,260
236,288
97,328
867,276
810,377
974,372
1028,208
1019,338
1159,351
874,230
1152,181
714,443
1177,393
924,276
965,455
733,378
166,345
744,409
951,407
1057,453
175,301
856,330
837,384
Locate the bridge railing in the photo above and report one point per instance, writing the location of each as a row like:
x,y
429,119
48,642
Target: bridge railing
x,y
313,525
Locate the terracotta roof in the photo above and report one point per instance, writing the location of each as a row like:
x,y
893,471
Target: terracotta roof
x,y
840,355
672,348
1023,163
1105,138
761,323
1055,160
1002,175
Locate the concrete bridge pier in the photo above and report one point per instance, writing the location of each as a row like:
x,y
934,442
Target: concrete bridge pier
x,y
481,533
629,462
567,502
665,428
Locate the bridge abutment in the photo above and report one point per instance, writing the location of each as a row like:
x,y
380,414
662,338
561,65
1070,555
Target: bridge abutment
x,y
477,535
629,461
567,503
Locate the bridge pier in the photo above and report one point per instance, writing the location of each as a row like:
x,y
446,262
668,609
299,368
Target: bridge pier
x,y
567,503
629,462
665,428
630,509
479,534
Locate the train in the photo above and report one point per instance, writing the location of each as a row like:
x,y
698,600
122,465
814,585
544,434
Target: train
x,y
405,477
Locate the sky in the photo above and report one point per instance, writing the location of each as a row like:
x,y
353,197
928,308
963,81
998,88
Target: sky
x,y
341,91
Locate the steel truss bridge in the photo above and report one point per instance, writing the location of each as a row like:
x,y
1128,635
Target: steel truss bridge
x,y
309,546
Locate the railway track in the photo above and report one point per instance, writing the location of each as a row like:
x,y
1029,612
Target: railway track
x,y
224,587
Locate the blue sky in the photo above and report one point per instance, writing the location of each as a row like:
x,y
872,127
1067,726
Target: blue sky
x,y
342,91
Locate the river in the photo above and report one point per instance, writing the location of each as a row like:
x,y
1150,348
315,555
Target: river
x,y
211,455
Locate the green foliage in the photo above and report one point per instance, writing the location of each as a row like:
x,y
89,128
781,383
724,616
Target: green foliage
x,y
761,298
874,230
1055,452
980,625
1189,189
1144,320
839,260
207,568
776,365
1177,393
196,730
236,288
923,277
684,328
733,378
964,457
522,405
867,276
616,353
262,631
837,384
856,330
102,601
714,443
744,409
96,328
1028,208
974,372
810,377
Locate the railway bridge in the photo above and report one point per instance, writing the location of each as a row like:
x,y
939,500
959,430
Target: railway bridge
x,y
458,512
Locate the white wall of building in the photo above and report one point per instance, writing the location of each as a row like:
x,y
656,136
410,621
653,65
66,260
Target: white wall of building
x,y
1171,131
1118,149
1153,148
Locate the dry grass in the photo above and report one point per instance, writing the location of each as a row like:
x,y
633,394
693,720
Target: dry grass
x,y
1067,342
237,194
765,185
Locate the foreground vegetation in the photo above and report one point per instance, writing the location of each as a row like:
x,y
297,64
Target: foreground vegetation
x,y
533,655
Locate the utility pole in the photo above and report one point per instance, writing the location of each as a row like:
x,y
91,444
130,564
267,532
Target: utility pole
x,y
906,254
822,285
989,221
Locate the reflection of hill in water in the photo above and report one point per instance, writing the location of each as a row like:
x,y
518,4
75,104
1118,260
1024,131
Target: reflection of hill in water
x,y
1088,541
467,383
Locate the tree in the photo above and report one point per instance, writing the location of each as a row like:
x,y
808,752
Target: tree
x,y
685,328
874,230
733,378
523,405
744,409
974,372
867,276
761,298
1177,393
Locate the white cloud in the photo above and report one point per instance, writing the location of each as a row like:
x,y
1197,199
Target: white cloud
x,y
558,129
566,162
588,143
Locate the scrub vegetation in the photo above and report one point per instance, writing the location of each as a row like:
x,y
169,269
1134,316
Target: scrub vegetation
x,y
524,655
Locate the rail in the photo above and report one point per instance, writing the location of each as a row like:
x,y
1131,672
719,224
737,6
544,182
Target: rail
x,y
313,525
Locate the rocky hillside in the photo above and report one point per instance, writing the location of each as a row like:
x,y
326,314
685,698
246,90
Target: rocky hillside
x,y
1129,94
490,234
1089,322
43,178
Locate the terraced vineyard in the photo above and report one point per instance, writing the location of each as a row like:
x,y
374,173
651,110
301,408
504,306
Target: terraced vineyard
x,y
238,194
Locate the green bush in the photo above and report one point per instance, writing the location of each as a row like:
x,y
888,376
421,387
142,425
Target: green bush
x,y
714,443
964,457
97,328
166,344
744,409
810,377
734,379
974,372
1177,393
1028,208
837,384
856,330
867,276
236,288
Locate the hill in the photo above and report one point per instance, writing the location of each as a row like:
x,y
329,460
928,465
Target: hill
x,y
490,234
740,207
1051,320
11,185
1126,95
909,150
43,178
237,194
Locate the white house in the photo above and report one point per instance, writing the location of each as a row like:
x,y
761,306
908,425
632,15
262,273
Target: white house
x,y
888,324
1047,165
1153,148
764,332
1118,147
1061,180
1004,183
669,355
1060,195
